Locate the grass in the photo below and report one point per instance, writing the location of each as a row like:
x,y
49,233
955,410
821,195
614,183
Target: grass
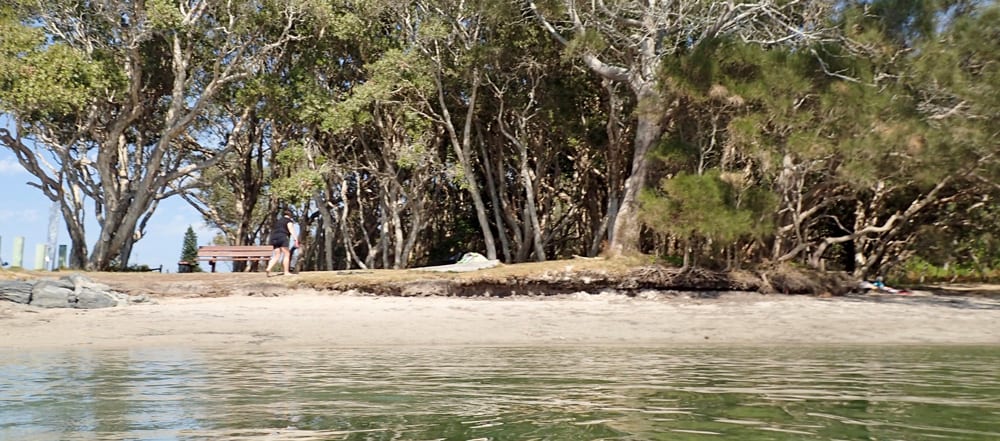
x,y
499,274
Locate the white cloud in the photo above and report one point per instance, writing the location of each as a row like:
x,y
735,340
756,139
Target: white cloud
x,y
24,217
10,166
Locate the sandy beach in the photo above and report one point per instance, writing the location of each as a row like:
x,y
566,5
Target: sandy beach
x,y
290,318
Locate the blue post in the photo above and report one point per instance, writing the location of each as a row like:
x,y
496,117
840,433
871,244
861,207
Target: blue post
x,y
63,255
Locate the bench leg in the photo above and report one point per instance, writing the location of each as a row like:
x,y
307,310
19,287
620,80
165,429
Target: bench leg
x,y
211,263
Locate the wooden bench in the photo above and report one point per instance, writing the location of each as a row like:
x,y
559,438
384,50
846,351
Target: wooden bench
x,y
215,253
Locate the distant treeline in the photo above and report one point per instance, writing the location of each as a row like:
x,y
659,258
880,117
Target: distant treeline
x,y
841,135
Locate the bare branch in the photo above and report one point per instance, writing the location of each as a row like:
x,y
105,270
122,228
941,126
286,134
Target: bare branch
x,y
603,69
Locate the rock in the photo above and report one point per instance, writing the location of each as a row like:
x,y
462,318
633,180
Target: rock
x,y
74,291
15,291
141,298
80,282
92,295
53,294
88,298
472,257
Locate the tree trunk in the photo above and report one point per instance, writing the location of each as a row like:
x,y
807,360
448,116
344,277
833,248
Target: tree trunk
x,y
416,226
613,156
328,236
496,199
463,150
78,241
649,129
350,255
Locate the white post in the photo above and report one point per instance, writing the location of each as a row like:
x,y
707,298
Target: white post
x,y
41,255
17,256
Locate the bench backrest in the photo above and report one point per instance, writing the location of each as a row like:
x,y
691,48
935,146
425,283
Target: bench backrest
x,y
232,251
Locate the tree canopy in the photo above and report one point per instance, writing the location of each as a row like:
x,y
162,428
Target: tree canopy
x,y
851,135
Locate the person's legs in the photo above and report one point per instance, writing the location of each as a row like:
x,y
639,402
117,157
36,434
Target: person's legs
x,y
270,263
291,260
279,254
280,245
286,259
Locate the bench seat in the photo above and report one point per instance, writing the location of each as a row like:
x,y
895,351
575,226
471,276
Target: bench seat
x,y
215,253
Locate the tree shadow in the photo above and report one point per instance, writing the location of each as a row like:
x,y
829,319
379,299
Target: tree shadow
x,y
937,298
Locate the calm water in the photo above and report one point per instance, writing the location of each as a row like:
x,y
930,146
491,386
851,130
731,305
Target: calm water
x,y
503,394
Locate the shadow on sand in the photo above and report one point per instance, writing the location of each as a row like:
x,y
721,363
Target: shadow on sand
x,y
959,299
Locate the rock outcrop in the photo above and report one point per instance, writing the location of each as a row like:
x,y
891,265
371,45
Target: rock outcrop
x,y
15,291
74,291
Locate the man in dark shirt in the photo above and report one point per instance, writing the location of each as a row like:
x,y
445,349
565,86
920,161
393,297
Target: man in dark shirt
x,y
282,235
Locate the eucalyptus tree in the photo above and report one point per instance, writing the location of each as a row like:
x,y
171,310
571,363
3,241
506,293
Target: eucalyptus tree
x,y
366,115
545,170
447,33
626,42
228,195
262,115
517,75
104,98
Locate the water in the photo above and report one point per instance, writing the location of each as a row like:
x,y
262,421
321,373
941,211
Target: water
x,y
451,393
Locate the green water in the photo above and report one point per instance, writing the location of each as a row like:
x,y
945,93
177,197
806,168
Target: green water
x,y
591,393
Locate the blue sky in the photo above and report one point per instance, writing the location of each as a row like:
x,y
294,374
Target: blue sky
x,y
24,211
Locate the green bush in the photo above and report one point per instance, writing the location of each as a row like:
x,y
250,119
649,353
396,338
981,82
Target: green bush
x,y
919,270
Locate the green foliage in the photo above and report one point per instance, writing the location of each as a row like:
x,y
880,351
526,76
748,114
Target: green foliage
x,y
707,206
298,187
918,270
43,80
189,249
395,74
163,14
588,42
416,152
915,100
957,75
300,181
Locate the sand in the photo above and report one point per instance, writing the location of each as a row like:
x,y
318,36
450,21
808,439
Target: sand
x,y
297,318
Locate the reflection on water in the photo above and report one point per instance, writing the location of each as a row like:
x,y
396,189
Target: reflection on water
x,y
450,393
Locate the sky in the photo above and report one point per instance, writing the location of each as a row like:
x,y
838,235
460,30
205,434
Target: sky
x,y
24,211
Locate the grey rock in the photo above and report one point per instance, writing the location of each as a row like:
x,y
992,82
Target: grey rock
x,y
62,282
93,295
77,279
80,282
88,298
16,291
53,294
73,291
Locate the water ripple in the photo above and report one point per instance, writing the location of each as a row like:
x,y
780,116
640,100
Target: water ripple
x,y
502,393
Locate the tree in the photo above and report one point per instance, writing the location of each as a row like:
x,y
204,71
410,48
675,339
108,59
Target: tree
x,y
446,32
699,206
105,98
627,41
189,250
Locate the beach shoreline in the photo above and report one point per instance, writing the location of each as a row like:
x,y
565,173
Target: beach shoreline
x,y
310,318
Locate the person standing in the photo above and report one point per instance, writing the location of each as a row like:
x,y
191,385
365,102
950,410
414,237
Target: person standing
x,y
282,235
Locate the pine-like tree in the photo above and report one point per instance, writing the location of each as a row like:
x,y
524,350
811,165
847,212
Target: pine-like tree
x,y
189,251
